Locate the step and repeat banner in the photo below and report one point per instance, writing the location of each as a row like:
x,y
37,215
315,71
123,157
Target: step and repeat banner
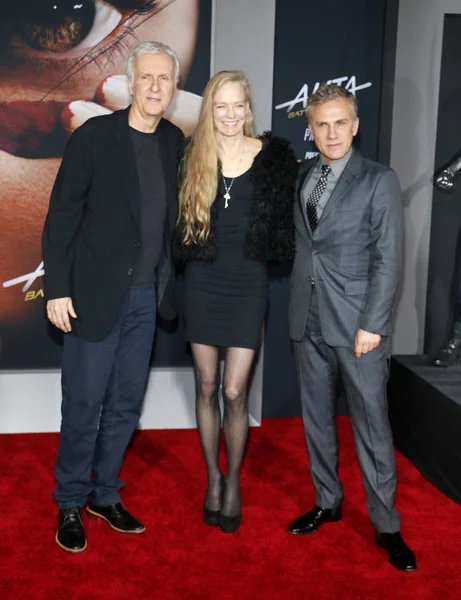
x,y
316,42
53,56
331,42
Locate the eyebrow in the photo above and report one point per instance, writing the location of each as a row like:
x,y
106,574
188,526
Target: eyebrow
x,y
335,121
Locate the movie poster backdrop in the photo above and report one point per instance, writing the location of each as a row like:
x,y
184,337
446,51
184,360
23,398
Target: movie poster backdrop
x,y
62,62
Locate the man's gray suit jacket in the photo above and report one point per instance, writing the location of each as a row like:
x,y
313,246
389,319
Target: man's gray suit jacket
x,y
353,257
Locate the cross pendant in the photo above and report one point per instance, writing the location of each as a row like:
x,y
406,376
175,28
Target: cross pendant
x,y
226,198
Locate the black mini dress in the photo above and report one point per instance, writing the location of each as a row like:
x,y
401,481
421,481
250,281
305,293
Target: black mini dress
x,y
225,299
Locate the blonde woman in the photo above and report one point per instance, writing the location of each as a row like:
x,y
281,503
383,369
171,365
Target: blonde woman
x,y
236,201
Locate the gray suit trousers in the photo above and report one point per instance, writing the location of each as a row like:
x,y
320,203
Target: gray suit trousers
x,y
318,366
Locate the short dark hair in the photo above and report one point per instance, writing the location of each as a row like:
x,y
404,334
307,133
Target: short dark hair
x,y
331,91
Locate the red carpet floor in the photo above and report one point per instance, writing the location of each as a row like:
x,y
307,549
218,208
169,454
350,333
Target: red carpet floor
x,y
180,558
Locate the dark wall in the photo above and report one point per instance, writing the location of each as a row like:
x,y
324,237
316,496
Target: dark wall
x,y
445,242
314,43
387,81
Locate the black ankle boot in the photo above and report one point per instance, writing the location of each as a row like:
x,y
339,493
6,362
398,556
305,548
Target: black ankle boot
x,y
451,353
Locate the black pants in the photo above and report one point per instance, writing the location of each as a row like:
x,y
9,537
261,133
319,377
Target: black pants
x,y
103,385
457,311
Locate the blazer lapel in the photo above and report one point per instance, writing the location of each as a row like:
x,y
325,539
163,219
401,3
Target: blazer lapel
x,y
169,169
304,175
127,165
343,185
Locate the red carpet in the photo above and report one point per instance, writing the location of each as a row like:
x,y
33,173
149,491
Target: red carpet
x,y
180,558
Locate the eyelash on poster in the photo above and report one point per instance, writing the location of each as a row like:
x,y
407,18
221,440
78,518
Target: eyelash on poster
x,y
118,45
68,67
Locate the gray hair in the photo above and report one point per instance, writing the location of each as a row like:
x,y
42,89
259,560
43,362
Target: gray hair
x,y
147,48
331,91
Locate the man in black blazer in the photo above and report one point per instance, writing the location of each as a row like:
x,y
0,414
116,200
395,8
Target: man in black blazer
x,y
108,268
349,226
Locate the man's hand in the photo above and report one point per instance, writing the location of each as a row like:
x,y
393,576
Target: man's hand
x,y
365,342
58,311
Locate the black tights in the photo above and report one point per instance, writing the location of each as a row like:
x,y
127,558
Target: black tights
x,y
238,362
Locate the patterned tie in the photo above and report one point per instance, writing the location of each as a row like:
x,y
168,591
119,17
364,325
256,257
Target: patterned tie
x,y
314,197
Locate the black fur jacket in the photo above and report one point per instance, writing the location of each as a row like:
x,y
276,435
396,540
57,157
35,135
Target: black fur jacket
x,y
270,235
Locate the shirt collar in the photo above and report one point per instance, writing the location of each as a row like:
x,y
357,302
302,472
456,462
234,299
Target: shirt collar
x,y
337,166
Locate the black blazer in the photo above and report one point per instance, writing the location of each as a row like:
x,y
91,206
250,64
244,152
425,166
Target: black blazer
x,y
270,235
92,231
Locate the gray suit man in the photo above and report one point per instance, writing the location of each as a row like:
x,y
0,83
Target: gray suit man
x,y
348,218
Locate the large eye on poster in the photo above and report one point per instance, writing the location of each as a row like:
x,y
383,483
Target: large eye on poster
x,y
62,62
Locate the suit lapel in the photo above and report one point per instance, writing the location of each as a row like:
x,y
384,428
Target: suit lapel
x,y
304,175
127,165
345,181
169,169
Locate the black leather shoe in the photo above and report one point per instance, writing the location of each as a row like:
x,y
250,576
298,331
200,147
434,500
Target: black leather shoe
x,y
311,521
400,555
71,535
450,354
229,524
211,517
117,516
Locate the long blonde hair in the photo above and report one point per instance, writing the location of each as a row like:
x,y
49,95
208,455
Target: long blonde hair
x,y
199,183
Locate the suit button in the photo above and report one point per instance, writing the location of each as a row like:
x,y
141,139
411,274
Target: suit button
x,y
130,271
137,244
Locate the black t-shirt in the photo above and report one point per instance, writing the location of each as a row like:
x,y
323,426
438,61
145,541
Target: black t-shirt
x,y
152,196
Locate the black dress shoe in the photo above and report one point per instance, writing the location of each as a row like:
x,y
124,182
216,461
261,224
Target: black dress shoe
x,y
117,516
311,521
71,535
400,555
450,354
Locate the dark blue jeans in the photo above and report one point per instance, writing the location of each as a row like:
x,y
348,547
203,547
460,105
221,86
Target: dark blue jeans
x,y
103,385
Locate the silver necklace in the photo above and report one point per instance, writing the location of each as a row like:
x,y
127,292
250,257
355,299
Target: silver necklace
x,y
227,195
